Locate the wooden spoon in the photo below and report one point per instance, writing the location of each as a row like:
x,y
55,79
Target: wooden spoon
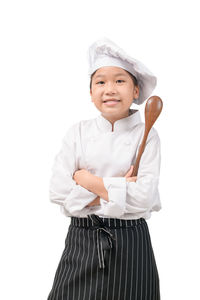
x,y
153,109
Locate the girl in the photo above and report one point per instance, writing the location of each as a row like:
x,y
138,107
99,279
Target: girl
x,y
108,253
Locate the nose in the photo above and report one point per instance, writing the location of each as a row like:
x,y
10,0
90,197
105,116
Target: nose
x,y
110,88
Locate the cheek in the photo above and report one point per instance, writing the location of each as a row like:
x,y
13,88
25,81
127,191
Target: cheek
x,y
128,93
96,98
97,93
131,92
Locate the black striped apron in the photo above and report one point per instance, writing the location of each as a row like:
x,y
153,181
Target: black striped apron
x,y
106,259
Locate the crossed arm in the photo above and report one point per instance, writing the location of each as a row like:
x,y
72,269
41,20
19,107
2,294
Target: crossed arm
x,y
95,183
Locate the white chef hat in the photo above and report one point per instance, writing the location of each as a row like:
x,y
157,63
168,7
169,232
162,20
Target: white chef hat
x,y
104,52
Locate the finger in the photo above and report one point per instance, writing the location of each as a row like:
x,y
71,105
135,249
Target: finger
x,y
134,178
128,179
131,179
129,172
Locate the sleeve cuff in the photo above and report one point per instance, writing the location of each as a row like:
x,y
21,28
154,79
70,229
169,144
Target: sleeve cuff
x,y
77,200
116,188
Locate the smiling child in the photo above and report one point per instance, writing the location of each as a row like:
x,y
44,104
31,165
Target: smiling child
x,y
108,252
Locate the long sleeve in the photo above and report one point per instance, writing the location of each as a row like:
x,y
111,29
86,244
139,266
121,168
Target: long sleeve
x,y
136,197
63,190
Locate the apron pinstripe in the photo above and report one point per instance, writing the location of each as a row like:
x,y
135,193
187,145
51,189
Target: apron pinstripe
x,y
106,259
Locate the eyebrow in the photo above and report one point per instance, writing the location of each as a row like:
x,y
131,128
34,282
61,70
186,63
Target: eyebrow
x,y
102,75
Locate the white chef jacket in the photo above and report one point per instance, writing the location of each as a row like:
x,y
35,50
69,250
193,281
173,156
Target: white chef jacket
x,y
91,144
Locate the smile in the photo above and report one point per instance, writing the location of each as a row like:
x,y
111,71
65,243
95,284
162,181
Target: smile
x,y
111,102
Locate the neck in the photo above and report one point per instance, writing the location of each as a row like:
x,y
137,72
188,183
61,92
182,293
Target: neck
x,y
113,119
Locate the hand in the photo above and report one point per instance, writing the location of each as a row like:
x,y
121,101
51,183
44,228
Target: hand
x,y
96,201
128,175
82,177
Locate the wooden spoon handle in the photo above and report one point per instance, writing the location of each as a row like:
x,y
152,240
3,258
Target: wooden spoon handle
x,y
153,109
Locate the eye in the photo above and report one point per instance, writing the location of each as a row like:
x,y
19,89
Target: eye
x,y
120,80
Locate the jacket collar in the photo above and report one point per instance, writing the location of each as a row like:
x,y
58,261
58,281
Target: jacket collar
x,y
122,124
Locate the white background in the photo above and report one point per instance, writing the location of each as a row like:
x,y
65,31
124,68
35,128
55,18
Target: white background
x,y
45,89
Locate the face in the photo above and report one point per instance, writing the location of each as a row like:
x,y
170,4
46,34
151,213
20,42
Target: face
x,y
116,84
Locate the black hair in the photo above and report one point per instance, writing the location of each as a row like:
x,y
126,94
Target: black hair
x,y
135,82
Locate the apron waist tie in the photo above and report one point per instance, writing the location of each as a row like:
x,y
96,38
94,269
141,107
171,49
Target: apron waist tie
x,y
104,238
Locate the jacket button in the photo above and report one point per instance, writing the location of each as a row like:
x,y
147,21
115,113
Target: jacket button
x,y
127,142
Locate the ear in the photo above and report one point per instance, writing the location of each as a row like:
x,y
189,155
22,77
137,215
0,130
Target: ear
x,y
91,95
136,92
